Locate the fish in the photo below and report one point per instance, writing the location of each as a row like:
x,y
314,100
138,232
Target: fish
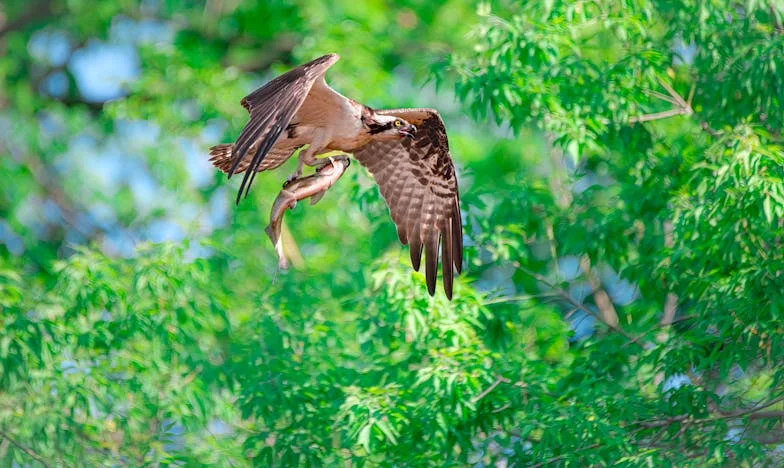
x,y
314,187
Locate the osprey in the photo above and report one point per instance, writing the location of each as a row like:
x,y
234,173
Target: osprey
x,y
406,151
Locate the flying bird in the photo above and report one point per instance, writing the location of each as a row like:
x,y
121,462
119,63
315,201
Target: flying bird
x,y
406,151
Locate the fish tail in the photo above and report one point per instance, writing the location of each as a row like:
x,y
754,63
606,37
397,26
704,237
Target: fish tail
x,y
283,263
270,233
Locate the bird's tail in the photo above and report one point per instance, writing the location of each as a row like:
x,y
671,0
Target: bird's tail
x,y
220,157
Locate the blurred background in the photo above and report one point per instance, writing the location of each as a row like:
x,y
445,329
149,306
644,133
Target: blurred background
x,y
620,169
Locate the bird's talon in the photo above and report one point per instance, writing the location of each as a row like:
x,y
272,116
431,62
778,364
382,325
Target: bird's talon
x,y
324,162
292,178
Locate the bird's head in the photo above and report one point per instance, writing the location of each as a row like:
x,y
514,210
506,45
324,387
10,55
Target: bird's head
x,y
389,127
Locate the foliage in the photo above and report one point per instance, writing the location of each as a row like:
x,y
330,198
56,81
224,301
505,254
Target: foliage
x,y
622,181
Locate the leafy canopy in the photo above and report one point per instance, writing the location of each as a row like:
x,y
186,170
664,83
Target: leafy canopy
x,y
621,167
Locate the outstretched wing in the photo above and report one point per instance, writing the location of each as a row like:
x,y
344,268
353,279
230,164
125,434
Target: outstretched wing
x,y
271,108
417,179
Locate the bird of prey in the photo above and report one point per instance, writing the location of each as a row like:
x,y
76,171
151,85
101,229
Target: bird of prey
x,y
406,151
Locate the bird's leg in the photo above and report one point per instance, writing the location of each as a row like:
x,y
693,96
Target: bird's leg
x,y
306,157
296,175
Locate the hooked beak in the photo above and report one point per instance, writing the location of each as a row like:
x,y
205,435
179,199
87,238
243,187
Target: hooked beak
x,y
408,131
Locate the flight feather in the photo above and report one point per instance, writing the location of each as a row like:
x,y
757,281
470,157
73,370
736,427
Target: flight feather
x,y
417,179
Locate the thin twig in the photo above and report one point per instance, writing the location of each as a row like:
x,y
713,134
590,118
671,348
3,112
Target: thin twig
x,y
776,24
714,133
657,436
662,422
498,381
658,115
767,415
670,309
671,301
565,296
681,107
691,94
498,410
550,461
50,183
571,312
518,298
33,13
752,413
678,320
600,296
661,96
26,450
754,410
678,99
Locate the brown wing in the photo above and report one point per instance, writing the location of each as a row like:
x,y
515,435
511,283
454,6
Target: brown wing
x,y
417,179
271,108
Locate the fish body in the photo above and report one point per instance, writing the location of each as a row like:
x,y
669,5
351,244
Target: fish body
x,y
313,186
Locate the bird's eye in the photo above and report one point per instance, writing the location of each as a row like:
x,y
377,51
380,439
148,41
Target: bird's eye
x,y
398,123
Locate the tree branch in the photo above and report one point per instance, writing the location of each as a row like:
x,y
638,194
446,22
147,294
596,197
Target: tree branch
x,y
671,302
681,107
777,27
49,183
565,296
518,298
26,450
757,409
552,460
498,381
754,412
767,415
34,12
658,115
600,297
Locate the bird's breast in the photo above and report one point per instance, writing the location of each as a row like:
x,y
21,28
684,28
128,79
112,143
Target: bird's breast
x,y
348,131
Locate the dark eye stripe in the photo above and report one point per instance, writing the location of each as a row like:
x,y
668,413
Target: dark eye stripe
x,y
376,128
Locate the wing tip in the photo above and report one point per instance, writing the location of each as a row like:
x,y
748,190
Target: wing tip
x,y
447,260
431,287
328,59
431,262
402,236
448,280
415,250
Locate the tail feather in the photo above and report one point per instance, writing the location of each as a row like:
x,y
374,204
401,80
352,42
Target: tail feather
x,y
220,157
